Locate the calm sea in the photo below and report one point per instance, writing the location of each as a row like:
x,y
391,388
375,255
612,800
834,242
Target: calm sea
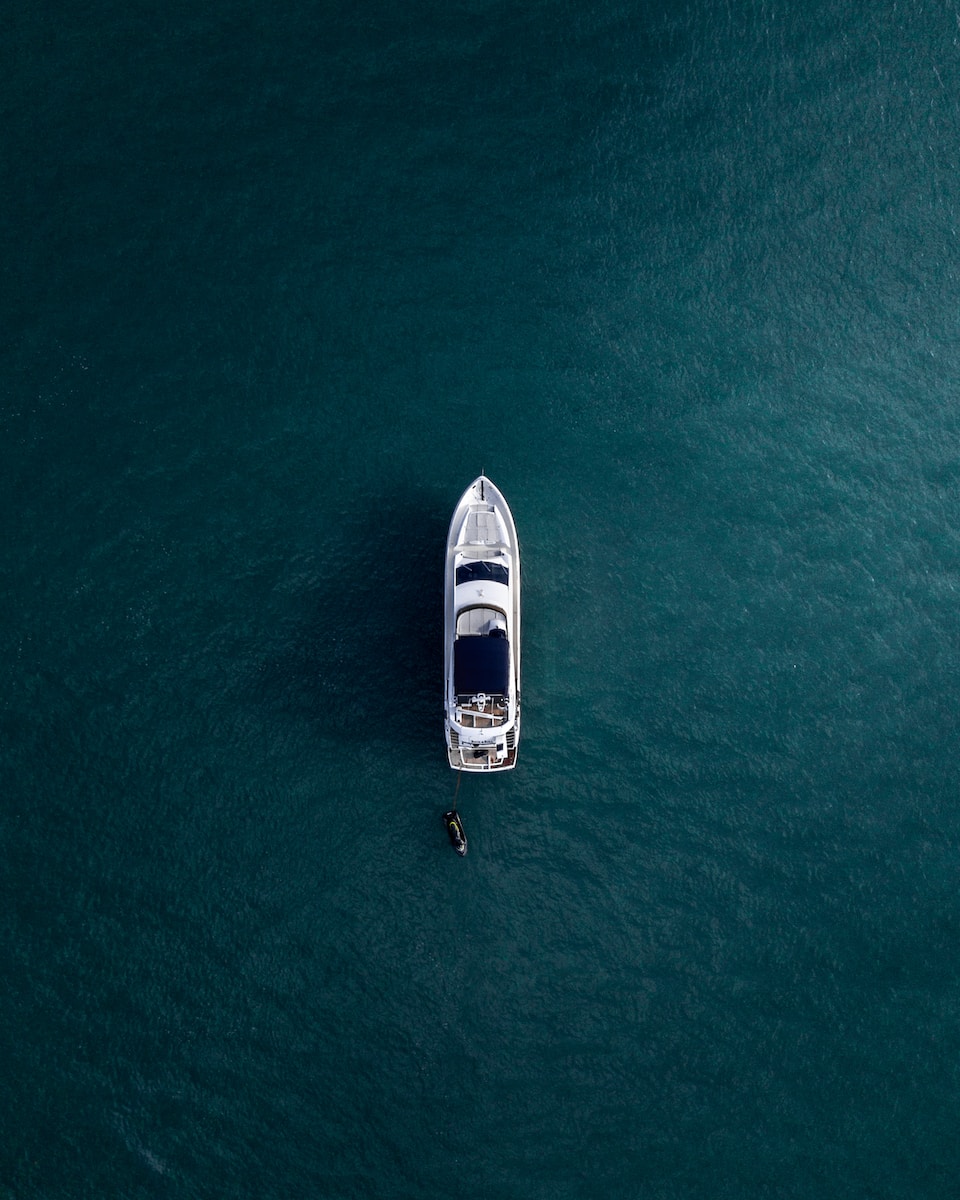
x,y
277,281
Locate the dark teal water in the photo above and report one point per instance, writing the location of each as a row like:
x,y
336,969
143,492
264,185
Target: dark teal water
x,y
276,282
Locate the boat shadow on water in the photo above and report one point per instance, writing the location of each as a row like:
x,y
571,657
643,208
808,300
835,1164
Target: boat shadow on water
x,y
362,651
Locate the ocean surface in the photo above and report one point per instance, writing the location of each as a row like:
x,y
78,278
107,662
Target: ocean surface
x,y
277,281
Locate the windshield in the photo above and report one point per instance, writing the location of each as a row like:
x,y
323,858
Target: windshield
x,y
482,571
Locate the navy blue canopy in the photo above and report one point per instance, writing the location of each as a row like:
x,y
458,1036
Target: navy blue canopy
x,y
481,664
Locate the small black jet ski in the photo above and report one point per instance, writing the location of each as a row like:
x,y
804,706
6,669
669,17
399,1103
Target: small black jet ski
x,y
454,826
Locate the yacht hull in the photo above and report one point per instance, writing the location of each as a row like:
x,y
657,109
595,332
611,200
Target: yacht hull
x,y
482,633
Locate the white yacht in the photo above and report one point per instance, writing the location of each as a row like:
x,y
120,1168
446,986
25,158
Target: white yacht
x,y
481,620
